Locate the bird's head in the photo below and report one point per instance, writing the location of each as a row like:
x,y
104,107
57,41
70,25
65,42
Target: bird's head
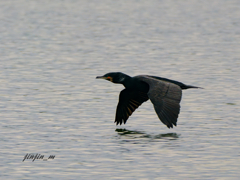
x,y
115,77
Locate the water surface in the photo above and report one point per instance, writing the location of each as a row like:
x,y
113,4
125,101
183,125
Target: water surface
x,y
51,103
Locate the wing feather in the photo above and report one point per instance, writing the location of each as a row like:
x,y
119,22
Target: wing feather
x,y
129,101
166,97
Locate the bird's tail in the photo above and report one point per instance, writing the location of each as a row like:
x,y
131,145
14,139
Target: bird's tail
x,y
189,86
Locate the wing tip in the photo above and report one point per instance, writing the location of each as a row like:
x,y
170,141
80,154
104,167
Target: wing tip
x,y
171,125
119,122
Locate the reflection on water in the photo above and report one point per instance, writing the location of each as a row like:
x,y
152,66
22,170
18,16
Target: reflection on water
x,y
140,134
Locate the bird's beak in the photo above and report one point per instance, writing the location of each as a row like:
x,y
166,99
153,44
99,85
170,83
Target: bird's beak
x,y
101,77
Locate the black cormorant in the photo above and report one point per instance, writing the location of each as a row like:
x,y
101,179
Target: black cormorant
x,y
164,93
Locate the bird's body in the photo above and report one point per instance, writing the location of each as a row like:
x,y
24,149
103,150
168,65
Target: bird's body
x,y
165,94
136,84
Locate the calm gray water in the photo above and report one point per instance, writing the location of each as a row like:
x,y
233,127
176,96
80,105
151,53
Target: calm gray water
x,y
51,103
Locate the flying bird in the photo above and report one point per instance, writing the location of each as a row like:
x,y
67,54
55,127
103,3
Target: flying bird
x,y
165,94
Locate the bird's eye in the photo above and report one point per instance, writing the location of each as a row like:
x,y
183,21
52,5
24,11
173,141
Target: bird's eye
x,y
109,78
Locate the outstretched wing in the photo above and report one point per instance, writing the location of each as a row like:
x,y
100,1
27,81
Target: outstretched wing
x,y
183,86
129,101
165,97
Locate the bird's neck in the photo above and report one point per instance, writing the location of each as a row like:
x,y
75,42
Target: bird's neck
x,y
127,81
